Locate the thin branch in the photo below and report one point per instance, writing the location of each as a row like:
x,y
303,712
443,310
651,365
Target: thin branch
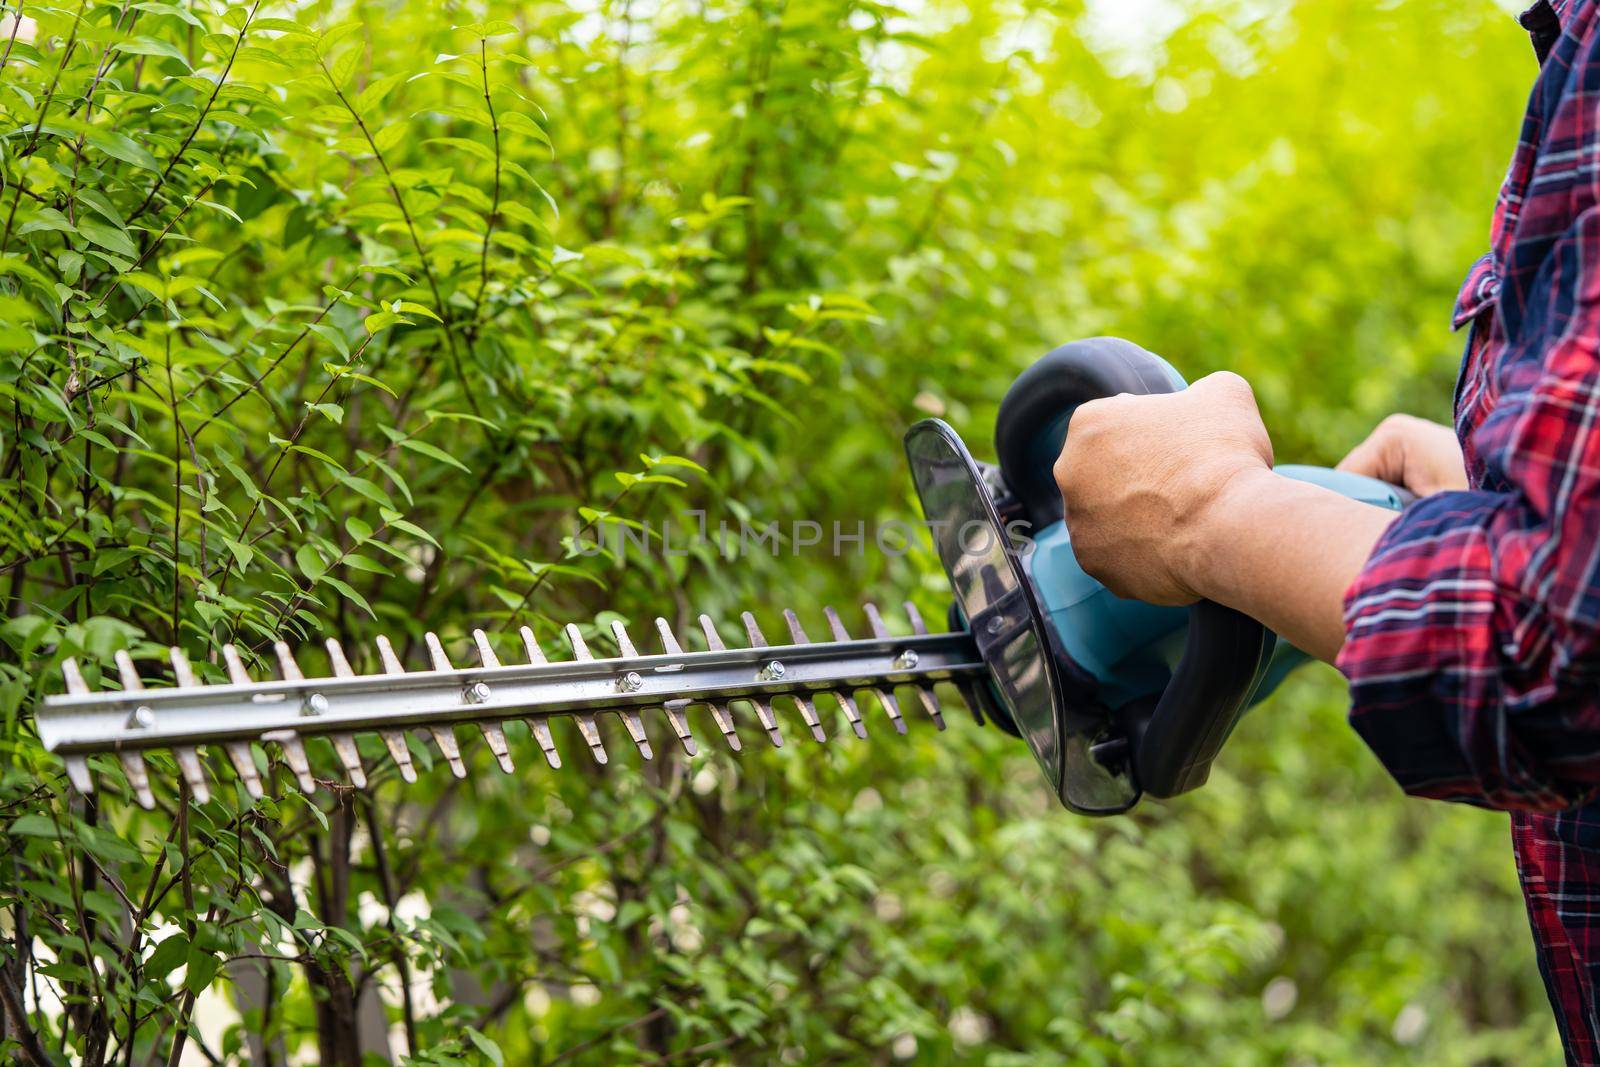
x,y
416,239
44,109
397,953
201,118
494,210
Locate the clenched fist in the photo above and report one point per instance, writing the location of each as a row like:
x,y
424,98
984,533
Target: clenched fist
x,y
1144,479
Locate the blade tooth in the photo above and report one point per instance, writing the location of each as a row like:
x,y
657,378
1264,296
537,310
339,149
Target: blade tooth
x,y
835,625
395,742
495,738
236,672
129,672
769,722
244,765
531,644
138,778
914,616
847,701
386,655
72,674
891,707
286,664
796,632
336,657
78,774
724,716
808,712
875,621
680,723
575,639
193,773
182,669
436,653
624,643
547,743
713,639
669,641
445,738
294,754
350,756
635,725
591,733
752,630
486,654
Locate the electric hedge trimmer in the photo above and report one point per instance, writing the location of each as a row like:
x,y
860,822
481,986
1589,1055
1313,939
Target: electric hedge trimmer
x,y
1115,698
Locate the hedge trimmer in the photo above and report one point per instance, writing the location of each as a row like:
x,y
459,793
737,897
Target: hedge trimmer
x,y
1115,698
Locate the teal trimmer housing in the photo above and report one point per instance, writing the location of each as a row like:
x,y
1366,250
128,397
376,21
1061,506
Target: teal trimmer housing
x,y
1116,698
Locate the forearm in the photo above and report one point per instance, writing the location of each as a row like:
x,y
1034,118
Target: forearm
x,y
1284,551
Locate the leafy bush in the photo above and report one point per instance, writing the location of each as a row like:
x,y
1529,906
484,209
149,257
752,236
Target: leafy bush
x,y
340,319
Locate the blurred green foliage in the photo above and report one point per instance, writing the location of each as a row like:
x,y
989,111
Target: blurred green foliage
x,y
360,317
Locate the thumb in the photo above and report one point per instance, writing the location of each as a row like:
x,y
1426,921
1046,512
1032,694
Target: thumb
x,y
1379,456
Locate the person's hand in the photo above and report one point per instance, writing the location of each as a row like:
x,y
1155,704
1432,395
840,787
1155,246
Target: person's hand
x,y
1142,478
1413,453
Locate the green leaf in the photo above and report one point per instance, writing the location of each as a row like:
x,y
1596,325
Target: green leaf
x,y
309,562
423,448
151,46
490,1050
349,593
202,968
168,956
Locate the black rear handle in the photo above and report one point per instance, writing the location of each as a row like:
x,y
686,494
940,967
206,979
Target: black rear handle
x,y
1174,742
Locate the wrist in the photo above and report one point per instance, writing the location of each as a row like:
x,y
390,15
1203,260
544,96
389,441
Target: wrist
x,y
1205,558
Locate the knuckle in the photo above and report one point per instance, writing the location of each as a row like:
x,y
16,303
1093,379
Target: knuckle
x,y
1395,424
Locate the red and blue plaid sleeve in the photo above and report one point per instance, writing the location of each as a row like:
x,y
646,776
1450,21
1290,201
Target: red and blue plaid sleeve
x,y
1473,633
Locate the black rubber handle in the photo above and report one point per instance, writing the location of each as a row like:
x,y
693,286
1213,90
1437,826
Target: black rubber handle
x,y
1174,742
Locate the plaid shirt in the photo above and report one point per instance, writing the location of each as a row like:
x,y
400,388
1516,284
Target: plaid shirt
x,y
1473,644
